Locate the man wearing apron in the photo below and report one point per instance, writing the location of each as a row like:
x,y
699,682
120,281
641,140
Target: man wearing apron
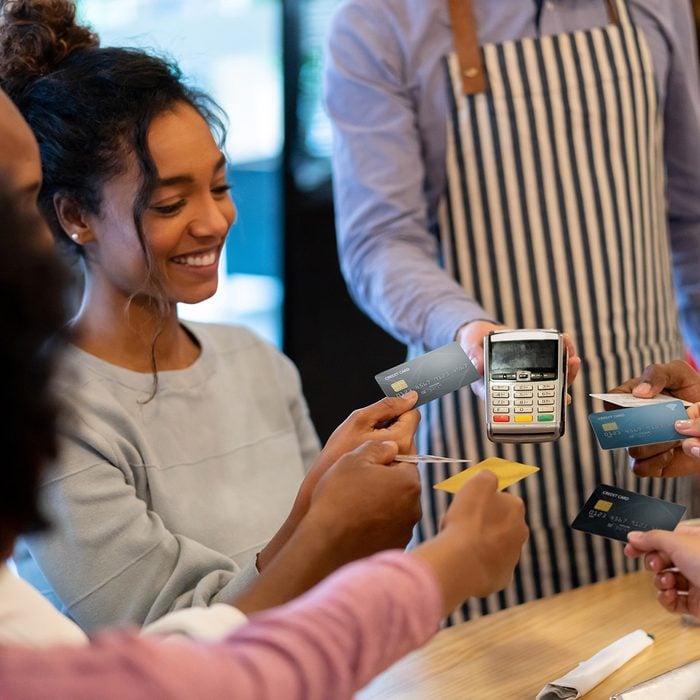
x,y
534,164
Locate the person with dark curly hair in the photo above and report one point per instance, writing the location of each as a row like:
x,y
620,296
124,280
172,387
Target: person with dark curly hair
x,y
188,458
31,309
26,617
329,643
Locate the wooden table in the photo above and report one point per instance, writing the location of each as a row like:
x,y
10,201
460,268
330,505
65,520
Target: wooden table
x,y
512,654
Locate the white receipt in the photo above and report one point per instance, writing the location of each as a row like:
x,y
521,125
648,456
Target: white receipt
x,y
629,401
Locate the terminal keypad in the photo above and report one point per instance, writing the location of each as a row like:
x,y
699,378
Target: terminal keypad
x,y
523,402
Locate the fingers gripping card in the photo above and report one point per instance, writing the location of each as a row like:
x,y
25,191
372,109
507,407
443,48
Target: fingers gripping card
x,y
630,401
613,512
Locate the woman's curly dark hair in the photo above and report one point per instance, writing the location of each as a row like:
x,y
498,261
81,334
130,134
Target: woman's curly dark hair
x,y
36,37
32,315
89,107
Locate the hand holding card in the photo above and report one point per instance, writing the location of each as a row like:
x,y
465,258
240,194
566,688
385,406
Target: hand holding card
x,y
613,512
644,425
674,459
632,401
674,557
677,379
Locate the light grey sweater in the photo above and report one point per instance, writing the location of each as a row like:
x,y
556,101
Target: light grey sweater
x,y
163,505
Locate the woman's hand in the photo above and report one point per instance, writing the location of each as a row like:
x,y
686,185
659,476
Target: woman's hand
x,y
678,590
479,543
391,419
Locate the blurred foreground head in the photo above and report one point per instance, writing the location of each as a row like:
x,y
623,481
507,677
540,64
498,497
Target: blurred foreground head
x,y
32,283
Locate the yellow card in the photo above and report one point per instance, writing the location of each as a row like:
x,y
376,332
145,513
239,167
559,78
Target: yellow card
x,y
507,472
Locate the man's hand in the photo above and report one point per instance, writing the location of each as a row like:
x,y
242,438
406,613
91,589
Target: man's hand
x,y
668,459
471,337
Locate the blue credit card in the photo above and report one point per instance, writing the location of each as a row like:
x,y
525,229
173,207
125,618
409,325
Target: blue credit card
x,y
431,375
613,512
645,425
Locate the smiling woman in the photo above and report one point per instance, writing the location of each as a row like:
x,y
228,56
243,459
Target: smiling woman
x,y
182,227
101,175
174,493
134,184
191,207
215,44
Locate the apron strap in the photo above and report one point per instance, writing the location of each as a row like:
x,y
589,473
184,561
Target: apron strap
x,y
466,42
612,12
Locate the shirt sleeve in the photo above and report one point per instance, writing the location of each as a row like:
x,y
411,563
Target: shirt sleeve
x,y
328,643
682,155
205,624
388,255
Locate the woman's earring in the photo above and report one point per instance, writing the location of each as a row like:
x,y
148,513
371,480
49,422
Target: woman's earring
x,y
75,236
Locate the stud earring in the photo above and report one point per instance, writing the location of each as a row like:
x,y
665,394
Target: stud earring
x,y
75,236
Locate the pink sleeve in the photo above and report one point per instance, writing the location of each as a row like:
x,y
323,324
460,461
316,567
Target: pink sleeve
x,y
328,643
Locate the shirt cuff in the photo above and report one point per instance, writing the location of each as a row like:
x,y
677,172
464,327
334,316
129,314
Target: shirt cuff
x,y
441,326
204,624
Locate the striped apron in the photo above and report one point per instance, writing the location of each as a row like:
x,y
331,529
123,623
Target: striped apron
x,y
554,217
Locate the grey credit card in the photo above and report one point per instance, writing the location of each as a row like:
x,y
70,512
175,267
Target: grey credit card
x,y
613,512
432,375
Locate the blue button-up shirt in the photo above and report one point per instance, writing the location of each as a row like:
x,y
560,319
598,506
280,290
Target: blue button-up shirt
x,y
387,98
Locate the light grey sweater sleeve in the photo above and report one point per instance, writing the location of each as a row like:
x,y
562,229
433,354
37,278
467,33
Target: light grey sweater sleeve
x,y
109,558
163,506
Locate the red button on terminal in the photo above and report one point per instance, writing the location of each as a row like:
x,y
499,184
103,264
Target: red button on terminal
x,y
501,419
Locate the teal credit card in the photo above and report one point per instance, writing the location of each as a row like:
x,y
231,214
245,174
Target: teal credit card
x,y
431,375
644,425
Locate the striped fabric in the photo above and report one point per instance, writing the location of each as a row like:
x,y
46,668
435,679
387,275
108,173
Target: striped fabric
x,y
554,217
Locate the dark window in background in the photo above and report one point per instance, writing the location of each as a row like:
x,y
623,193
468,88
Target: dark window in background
x,y
337,348
310,133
